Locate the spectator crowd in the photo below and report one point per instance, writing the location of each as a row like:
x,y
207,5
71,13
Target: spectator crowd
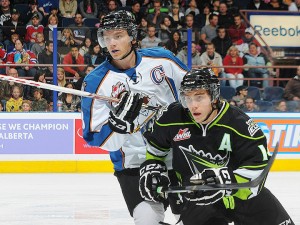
x,y
220,38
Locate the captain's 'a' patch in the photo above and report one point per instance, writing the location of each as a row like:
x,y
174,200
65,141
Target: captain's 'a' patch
x,y
252,127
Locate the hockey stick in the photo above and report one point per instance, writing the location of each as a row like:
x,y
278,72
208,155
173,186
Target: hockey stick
x,y
213,187
67,90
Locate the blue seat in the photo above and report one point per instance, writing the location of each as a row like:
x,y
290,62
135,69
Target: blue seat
x,y
264,106
273,93
91,22
67,21
254,92
293,106
227,92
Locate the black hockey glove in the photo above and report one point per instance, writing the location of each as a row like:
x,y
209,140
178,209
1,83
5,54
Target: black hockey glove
x,y
210,176
125,112
153,174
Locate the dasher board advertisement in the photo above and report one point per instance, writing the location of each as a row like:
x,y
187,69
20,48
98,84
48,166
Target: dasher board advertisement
x,y
45,135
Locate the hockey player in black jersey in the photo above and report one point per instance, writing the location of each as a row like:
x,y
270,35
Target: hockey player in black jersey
x,y
212,142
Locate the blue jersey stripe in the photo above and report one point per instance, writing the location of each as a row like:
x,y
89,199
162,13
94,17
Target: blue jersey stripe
x,y
172,86
98,138
117,159
91,137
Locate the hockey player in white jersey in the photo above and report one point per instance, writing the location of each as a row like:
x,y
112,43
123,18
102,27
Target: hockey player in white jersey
x,y
150,76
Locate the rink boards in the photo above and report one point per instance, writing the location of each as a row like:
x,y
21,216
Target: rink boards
x,y
52,142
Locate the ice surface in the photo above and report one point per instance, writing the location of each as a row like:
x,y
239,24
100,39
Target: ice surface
x,y
96,199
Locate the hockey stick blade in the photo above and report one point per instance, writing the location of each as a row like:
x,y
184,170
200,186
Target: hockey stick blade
x,y
213,187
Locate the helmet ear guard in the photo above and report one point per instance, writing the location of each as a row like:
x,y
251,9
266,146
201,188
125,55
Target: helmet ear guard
x,y
197,79
117,20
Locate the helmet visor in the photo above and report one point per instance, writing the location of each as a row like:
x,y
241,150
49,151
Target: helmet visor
x,y
186,99
106,37
120,20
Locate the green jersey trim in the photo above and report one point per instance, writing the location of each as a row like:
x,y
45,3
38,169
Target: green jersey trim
x,y
238,133
172,124
243,193
158,147
254,167
220,116
150,156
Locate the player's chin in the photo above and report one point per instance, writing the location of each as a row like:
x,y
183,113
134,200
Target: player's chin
x,y
116,56
114,53
198,117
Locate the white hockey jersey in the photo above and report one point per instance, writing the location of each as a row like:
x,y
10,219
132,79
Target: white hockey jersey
x,y
157,74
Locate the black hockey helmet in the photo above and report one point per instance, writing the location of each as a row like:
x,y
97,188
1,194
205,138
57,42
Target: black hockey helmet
x,y
117,20
200,79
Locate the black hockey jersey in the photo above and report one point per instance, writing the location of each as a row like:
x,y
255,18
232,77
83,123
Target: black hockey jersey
x,y
231,139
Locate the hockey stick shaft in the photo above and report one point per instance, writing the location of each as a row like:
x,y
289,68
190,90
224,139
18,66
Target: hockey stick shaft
x,y
65,90
213,187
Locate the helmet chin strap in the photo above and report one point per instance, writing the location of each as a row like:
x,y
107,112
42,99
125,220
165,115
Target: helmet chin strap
x,y
214,106
208,115
131,49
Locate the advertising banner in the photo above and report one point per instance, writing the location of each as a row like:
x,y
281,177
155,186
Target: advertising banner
x,y
277,29
81,147
284,131
281,128
61,134
36,136
53,142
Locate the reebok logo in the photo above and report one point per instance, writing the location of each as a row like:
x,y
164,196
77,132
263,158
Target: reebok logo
x,y
182,134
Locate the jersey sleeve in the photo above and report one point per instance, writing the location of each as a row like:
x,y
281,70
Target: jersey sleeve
x,y
158,142
95,113
250,153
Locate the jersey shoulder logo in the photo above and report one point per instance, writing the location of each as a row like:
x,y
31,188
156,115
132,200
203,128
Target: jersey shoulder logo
x,y
157,75
252,127
182,134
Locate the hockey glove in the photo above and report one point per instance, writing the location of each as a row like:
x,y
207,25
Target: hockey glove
x,y
125,112
153,174
210,176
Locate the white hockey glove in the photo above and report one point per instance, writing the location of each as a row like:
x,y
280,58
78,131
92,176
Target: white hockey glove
x,y
125,112
210,176
153,174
